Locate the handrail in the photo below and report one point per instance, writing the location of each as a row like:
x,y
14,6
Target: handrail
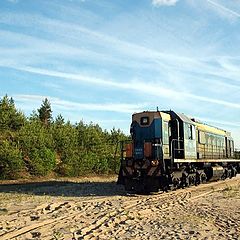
x,y
173,149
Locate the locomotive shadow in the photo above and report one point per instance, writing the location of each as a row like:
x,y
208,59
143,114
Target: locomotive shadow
x,y
65,188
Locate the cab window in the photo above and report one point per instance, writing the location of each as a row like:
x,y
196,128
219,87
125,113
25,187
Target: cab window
x,y
144,120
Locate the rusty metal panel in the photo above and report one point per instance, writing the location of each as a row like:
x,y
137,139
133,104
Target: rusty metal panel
x,y
129,150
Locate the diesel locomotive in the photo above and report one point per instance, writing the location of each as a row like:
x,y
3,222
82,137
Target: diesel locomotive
x,y
169,150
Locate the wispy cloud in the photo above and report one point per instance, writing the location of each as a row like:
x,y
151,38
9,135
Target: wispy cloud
x,y
119,52
158,3
60,104
52,85
224,9
147,88
131,57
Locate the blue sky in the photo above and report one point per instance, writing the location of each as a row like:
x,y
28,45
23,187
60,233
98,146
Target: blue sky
x,y
102,60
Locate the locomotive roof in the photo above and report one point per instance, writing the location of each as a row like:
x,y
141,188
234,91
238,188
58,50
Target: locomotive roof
x,y
186,119
151,114
208,128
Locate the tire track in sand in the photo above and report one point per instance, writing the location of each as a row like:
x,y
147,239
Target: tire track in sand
x,y
129,209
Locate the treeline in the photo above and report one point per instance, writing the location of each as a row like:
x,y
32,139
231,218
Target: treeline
x,y
40,145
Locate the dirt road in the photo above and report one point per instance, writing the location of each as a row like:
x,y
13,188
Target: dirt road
x,y
101,210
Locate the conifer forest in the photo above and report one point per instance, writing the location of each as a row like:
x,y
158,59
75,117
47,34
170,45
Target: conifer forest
x,y
40,145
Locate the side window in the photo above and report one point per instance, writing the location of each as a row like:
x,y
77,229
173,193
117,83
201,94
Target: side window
x,y
191,132
210,140
231,145
201,137
223,143
165,133
213,140
169,130
207,138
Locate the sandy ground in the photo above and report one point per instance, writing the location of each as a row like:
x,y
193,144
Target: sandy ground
x,y
100,209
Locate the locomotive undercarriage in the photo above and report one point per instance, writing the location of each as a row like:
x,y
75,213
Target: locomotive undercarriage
x,y
138,179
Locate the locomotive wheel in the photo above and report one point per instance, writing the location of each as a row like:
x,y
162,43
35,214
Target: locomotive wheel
x,y
176,183
198,180
235,172
164,183
225,174
192,180
203,178
185,180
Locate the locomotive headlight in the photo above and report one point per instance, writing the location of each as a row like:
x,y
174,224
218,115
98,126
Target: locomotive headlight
x,y
154,163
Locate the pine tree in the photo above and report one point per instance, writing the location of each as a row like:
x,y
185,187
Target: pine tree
x,y
45,112
59,120
10,117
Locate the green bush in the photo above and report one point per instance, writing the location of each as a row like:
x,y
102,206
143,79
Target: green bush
x,y
73,163
41,161
11,162
34,135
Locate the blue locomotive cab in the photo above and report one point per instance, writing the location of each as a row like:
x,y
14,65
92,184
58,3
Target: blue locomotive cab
x,y
150,135
143,166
